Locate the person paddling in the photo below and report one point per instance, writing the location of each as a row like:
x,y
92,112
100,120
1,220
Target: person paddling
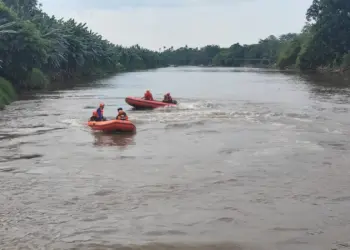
x,y
99,111
168,98
122,115
94,117
148,95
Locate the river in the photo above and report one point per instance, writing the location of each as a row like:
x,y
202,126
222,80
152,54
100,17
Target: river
x,y
251,159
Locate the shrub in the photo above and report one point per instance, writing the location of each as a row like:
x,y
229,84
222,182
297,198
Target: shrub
x,y
7,92
37,80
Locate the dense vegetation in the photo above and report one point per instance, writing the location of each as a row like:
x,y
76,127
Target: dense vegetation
x,y
7,92
264,53
36,49
324,42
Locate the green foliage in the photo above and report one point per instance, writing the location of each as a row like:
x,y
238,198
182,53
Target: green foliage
x,y
36,48
7,92
325,42
263,53
291,48
36,80
289,54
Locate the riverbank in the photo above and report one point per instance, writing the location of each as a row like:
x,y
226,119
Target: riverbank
x,y
40,83
8,94
338,70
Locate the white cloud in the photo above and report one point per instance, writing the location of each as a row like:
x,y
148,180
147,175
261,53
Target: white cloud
x,y
191,22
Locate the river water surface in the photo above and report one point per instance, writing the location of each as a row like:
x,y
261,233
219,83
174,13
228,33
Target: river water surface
x,y
249,160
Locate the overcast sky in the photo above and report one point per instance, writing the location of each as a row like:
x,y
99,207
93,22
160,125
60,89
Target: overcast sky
x,y
157,23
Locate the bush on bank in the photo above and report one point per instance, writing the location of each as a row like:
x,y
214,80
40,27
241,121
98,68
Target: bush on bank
x,y
7,93
36,80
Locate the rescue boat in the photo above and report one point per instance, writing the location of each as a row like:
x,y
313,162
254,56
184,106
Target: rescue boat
x,y
112,125
140,103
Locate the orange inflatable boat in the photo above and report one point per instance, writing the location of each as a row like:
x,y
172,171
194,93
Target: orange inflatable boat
x,y
113,125
140,103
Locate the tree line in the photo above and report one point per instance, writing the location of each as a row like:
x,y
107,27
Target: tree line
x,y
324,42
35,46
36,49
264,53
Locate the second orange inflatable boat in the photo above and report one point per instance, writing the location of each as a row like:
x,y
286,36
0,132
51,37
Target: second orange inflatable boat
x,y
113,125
140,103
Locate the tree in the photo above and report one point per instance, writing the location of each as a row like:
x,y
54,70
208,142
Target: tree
x,y
330,38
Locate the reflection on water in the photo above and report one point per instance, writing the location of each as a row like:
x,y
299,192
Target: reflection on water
x,y
121,140
329,87
323,86
54,90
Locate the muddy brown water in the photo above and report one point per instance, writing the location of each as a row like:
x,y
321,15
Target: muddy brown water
x,y
250,159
